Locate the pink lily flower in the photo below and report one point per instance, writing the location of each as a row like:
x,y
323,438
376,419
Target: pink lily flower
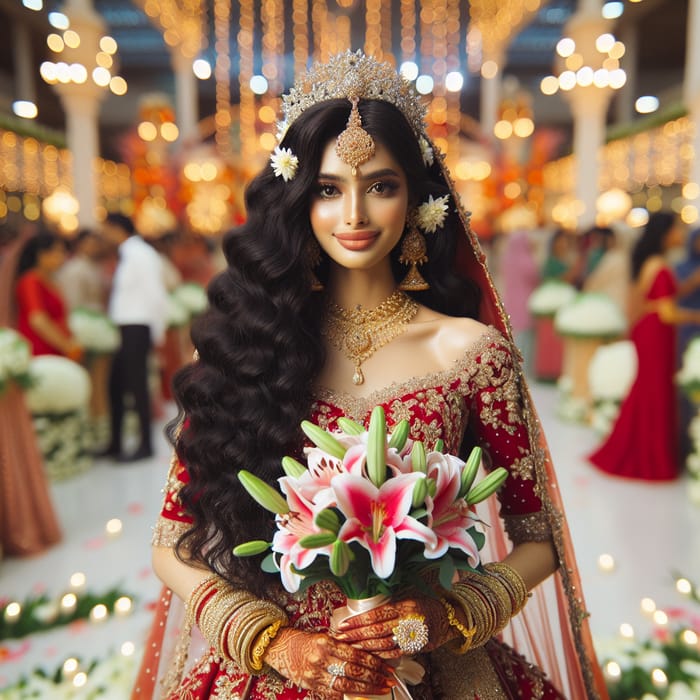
x,y
291,527
377,517
355,460
315,485
449,516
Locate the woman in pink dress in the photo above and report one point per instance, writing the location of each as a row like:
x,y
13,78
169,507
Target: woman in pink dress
x,y
357,176
643,443
28,524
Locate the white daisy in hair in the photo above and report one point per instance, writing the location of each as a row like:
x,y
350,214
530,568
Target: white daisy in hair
x,y
284,163
432,214
426,151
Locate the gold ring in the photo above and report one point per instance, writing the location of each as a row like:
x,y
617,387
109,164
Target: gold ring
x,y
411,634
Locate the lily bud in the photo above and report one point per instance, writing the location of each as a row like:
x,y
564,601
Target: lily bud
x,y
319,539
328,519
340,558
250,549
263,493
376,447
323,440
293,468
399,435
349,426
470,471
487,486
420,492
418,463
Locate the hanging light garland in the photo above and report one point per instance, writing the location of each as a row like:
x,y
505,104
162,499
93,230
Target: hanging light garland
x,y
373,29
408,30
182,23
318,15
300,25
247,98
386,33
222,69
272,15
453,81
343,33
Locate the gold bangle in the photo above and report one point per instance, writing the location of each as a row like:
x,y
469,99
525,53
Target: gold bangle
x,y
262,643
454,621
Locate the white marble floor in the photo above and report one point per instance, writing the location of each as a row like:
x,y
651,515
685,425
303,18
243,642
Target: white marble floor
x,y
649,530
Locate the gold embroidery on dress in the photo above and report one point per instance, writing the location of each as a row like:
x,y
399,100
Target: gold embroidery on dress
x,y
167,531
466,676
533,527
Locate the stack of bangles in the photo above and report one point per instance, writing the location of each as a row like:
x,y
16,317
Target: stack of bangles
x,y
487,601
235,623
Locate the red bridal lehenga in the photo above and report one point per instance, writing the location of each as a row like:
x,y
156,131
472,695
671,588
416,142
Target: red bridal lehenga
x,y
643,441
483,392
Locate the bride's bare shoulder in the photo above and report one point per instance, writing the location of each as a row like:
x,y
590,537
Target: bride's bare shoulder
x,y
449,337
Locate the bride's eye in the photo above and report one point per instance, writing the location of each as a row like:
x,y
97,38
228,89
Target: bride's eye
x,y
383,187
327,190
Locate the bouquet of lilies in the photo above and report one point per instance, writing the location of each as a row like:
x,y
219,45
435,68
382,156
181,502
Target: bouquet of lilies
x,y
371,510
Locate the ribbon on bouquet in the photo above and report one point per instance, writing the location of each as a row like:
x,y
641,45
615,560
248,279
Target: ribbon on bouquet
x,y
407,670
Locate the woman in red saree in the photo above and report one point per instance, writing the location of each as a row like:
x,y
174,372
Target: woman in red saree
x,y
643,443
357,175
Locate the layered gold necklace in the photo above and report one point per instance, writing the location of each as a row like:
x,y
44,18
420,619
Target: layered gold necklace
x,y
360,332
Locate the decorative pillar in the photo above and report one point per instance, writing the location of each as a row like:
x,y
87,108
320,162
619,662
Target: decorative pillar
x,y
186,107
81,102
691,95
491,88
589,107
589,104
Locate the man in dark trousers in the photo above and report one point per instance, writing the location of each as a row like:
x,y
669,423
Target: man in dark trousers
x,y
138,306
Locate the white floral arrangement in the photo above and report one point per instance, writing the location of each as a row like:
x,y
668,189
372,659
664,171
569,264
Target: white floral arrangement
x,y
590,315
94,331
192,296
15,356
612,371
59,386
108,679
549,297
693,461
689,375
431,215
177,314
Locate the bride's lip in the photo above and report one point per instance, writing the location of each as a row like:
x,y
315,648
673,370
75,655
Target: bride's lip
x,y
357,240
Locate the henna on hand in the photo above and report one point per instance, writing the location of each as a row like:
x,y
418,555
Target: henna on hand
x,y
304,658
374,630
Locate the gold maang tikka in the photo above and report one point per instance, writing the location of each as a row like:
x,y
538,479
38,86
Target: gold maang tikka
x,y
354,145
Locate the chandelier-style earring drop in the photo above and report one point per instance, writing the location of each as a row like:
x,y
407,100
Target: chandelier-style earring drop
x,y
413,253
313,253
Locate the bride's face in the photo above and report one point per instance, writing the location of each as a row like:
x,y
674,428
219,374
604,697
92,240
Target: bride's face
x,y
358,219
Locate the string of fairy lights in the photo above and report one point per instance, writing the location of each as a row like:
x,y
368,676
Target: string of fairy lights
x,y
438,44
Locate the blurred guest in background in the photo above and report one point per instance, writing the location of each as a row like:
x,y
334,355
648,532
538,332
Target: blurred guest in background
x,y
28,524
519,276
81,278
563,261
608,267
42,316
644,441
138,305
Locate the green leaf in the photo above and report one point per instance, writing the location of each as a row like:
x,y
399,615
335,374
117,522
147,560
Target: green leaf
x,y
251,548
349,426
269,564
447,572
293,468
320,539
323,440
376,447
263,493
399,435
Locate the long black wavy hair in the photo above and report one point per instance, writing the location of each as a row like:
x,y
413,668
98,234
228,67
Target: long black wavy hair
x,y
651,242
260,344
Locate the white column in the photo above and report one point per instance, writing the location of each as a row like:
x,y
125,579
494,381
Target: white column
x,y
81,103
691,86
186,107
589,107
491,89
83,143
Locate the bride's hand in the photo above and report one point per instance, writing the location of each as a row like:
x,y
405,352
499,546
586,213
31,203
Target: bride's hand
x,y
318,662
375,630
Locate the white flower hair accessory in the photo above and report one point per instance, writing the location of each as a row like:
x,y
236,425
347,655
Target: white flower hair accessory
x,y
426,151
431,215
284,163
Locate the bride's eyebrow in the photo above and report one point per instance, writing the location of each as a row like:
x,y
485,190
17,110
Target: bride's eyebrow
x,y
385,172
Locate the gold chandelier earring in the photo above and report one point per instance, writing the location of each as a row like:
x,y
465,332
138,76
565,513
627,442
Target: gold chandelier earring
x,y
313,254
414,252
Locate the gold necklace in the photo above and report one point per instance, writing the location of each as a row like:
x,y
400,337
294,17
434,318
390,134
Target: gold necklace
x,y
360,332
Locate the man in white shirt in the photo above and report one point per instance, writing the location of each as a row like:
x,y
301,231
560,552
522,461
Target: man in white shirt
x,y
138,305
